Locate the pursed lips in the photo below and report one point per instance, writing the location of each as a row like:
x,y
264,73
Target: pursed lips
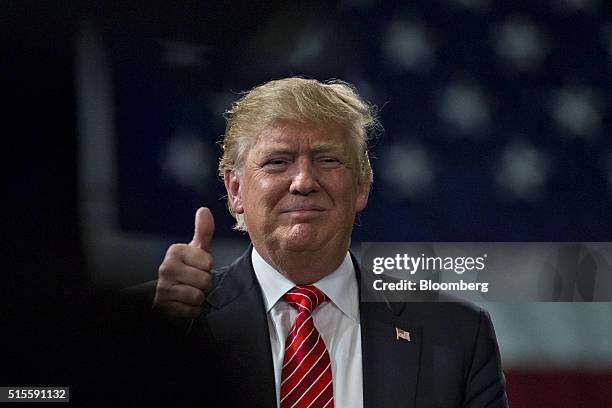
x,y
303,209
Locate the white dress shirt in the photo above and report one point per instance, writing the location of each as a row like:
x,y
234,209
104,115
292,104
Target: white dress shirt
x,y
337,320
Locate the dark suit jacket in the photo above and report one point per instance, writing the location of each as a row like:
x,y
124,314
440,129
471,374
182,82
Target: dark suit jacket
x,y
452,359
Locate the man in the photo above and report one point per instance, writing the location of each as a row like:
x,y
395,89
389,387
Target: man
x,y
284,324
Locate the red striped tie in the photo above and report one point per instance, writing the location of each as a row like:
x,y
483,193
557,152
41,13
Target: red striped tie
x,y
306,380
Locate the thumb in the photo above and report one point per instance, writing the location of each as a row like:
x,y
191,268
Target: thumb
x,y
204,228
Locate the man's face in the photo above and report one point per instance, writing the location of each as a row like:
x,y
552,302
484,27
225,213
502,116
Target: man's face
x,y
298,188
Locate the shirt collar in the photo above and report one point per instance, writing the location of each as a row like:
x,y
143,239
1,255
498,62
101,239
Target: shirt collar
x,y
339,286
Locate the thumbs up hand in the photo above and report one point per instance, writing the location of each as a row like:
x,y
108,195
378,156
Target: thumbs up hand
x,y
184,275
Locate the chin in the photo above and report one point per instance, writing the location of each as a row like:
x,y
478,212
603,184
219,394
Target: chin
x,y
302,237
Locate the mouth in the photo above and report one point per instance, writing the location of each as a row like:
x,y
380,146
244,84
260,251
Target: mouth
x,y
303,212
304,209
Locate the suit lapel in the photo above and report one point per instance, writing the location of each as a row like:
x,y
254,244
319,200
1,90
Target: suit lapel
x,y
390,364
238,323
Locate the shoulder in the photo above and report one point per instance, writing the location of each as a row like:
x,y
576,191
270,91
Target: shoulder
x,y
232,281
448,314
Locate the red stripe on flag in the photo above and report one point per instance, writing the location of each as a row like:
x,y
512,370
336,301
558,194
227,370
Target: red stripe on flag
x,y
559,388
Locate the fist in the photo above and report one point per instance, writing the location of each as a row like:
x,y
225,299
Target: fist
x,y
184,276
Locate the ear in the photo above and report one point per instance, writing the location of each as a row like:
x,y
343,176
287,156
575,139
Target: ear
x,y
363,192
232,185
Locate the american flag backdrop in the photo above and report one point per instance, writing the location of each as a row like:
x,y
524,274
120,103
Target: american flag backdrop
x,y
497,127
496,115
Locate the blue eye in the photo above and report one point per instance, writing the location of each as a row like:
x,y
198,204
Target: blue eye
x,y
329,162
275,164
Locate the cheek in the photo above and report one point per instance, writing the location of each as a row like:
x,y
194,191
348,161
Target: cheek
x,y
345,191
268,185
263,193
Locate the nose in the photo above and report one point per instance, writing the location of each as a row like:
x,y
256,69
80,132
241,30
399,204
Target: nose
x,y
305,178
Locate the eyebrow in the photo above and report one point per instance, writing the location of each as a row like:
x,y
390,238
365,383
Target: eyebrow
x,y
318,148
325,148
278,149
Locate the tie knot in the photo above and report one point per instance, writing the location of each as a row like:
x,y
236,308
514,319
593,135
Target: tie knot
x,y
305,298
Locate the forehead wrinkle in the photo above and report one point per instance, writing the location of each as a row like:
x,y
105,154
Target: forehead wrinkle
x,y
288,138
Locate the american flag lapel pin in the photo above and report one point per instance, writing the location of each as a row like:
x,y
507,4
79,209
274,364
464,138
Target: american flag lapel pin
x,y
402,334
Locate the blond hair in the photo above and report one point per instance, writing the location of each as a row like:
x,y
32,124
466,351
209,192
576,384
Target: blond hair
x,y
307,101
